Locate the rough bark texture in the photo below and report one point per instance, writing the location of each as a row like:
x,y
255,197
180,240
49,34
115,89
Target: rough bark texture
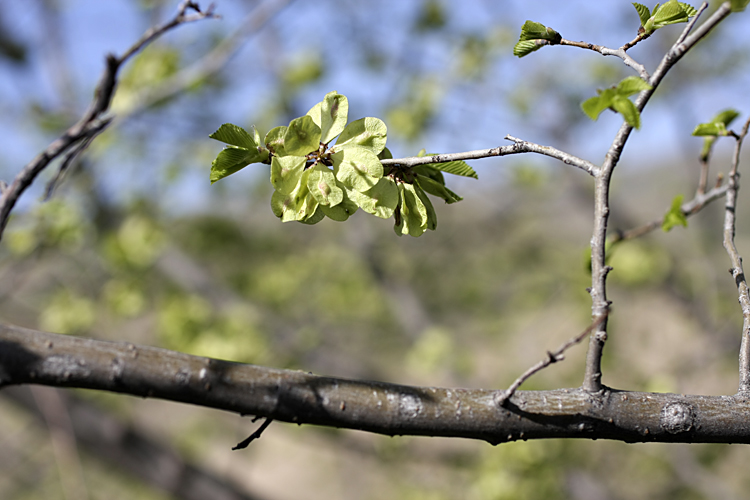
x,y
28,356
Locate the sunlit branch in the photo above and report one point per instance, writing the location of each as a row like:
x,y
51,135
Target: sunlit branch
x,y
519,146
599,269
738,274
621,53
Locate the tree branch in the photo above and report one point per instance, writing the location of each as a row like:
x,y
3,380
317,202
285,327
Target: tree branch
x,y
599,269
690,208
621,53
730,219
32,357
519,146
92,123
552,357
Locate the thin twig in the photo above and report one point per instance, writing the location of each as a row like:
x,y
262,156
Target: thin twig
x,y
730,221
255,435
691,23
690,208
621,53
552,357
92,122
519,146
599,269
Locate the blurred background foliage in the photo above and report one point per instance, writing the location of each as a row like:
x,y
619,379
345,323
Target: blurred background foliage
x,y
135,245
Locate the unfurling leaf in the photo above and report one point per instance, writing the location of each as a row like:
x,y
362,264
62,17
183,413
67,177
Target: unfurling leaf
x,y
234,135
537,31
230,160
713,129
526,47
643,13
617,99
675,216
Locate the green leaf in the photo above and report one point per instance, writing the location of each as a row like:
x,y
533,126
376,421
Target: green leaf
x,y
526,47
675,216
230,160
594,106
357,168
627,109
429,171
369,133
537,31
381,200
739,5
275,141
710,129
330,115
691,11
385,154
456,168
411,213
437,189
431,222
643,13
726,117
286,173
236,136
670,12
302,136
631,85
322,185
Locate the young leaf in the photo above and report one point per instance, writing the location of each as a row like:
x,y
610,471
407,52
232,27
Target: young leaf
x,y
430,172
330,115
643,13
627,109
369,133
411,213
631,85
670,12
302,136
594,106
710,129
437,189
234,135
675,216
452,167
526,47
431,223
537,31
230,160
357,168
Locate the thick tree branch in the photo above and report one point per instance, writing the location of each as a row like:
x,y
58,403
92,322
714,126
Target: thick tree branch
x,y
599,269
32,357
92,123
730,222
519,146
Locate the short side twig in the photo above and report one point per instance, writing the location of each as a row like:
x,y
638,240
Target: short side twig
x,y
690,208
93,122
552,357
519,146
730,219
255,435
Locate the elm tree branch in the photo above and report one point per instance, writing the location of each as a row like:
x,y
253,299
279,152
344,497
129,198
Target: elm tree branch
x,y
690,208
730,222
519,146
621,53
599,269
33,357
552,357
93,122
